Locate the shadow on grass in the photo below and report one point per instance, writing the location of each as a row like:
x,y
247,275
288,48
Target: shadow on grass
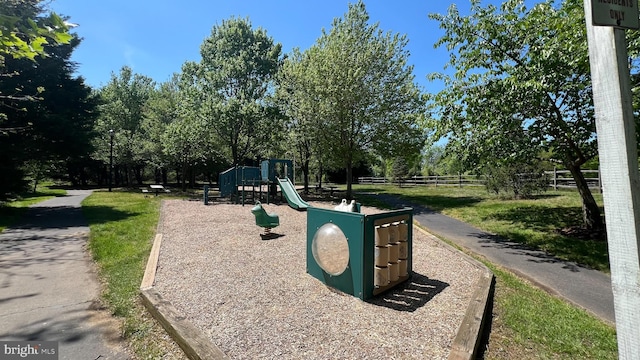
x,y
101,214
431,202
31,195
548,221
415,195
533,230
10,215
546,195
438,202
541,218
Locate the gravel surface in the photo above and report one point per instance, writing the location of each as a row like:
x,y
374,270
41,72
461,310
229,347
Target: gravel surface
x,y
254,299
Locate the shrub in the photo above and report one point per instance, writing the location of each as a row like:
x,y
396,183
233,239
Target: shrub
x,y
518,180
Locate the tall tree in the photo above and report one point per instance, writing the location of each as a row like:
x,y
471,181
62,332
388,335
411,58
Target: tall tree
x,y
123,103
46,114
296,99
234,82
185,146
59,123
367,99
163,109
24,31
521,86
188,141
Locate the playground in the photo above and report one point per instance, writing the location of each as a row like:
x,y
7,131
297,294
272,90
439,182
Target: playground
x,y
247,184
253,298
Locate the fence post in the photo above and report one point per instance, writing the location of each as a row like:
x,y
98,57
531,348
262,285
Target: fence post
x,y
555,178
459,180
436,180
599,179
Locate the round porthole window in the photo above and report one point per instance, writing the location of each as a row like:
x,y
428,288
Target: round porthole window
x,y
330,249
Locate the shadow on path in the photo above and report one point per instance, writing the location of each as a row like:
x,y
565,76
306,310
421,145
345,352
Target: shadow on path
x,y
63,217
48,286
532,255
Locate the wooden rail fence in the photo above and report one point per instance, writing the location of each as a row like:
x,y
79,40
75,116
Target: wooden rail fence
x,y
558,179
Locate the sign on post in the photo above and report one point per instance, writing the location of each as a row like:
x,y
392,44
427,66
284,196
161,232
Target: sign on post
x,y
618,13
618,155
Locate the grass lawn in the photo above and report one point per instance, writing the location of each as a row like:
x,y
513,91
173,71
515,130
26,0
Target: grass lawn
x,y
12,210
533,222
123,226
529,323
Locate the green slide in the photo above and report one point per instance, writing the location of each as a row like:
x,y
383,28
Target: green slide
x,y
293,198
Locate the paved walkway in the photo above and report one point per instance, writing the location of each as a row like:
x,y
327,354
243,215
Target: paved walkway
x,y
48,288
589,289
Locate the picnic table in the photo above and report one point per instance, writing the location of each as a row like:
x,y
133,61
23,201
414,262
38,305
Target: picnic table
x,y
331,188
158,188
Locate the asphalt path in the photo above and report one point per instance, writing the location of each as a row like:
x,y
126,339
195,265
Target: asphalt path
x,y
49,289
584,287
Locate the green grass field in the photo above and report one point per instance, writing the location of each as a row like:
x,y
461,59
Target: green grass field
x,y
535,222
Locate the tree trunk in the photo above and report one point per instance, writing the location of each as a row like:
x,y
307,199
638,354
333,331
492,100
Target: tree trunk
x,y
192,177
127,173
590,211
305,172
184,174
349,176
83,176
138,169
116,175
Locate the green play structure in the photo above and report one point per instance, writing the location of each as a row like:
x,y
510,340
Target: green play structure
x,y
280,172
292,196
240,183
276,168
361,255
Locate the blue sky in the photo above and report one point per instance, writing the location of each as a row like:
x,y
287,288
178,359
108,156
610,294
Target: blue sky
x,y
155,37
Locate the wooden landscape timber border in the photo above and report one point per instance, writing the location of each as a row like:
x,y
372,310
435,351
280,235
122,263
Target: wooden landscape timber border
x,y
196,346
467,341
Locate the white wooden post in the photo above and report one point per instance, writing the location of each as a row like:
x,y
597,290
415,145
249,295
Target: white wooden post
x,y
620,179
